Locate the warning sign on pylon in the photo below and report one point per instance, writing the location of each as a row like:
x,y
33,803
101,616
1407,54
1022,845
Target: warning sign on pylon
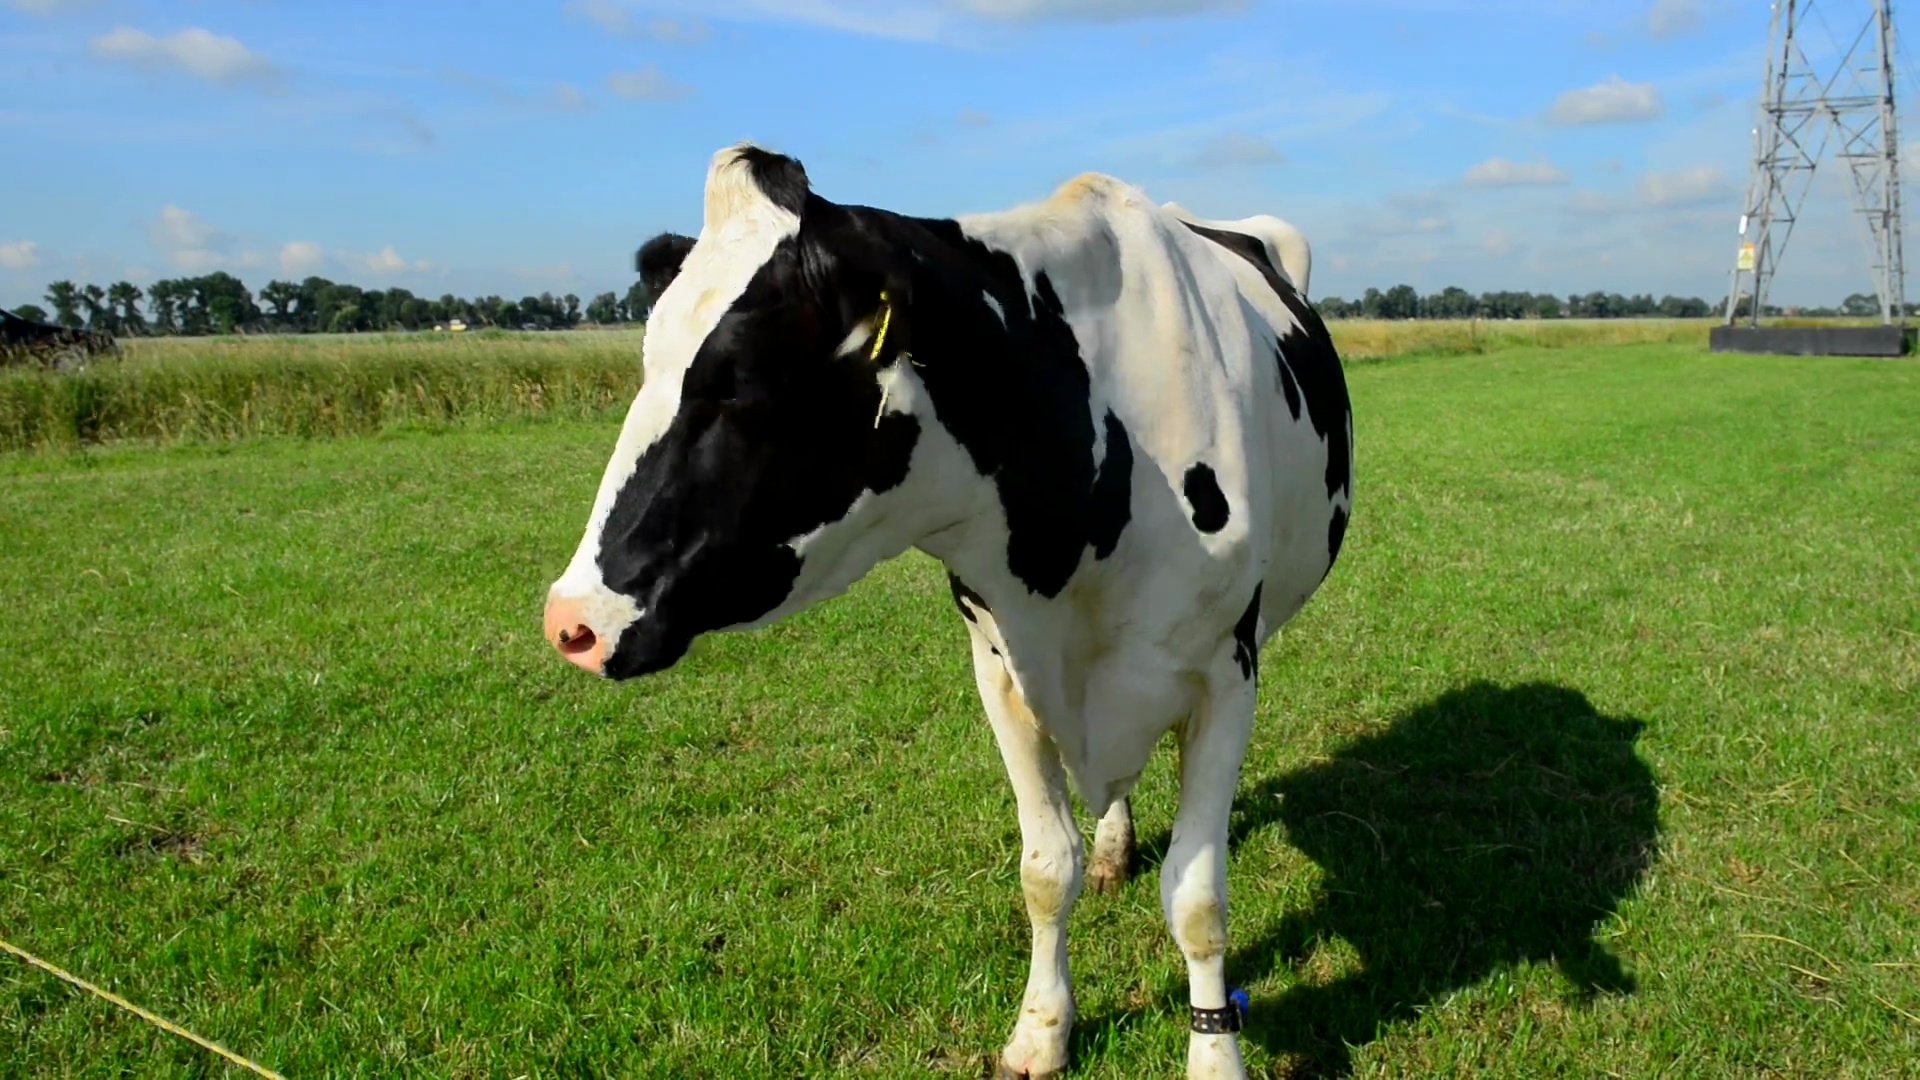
x,y
1746,256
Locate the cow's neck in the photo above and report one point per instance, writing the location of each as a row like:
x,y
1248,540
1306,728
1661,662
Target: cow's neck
x,y
1021,470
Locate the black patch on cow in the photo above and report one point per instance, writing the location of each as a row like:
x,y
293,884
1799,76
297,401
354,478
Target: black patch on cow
x,y
780,178
1112,491
1306,354
658,262
1247,247
966,599
1287,385
1245,648
1208,501
1015,395
1336,535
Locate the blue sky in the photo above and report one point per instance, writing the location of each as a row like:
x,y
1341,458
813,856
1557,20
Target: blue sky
x,y
488,146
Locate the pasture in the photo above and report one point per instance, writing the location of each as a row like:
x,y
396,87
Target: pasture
x,y
1596,755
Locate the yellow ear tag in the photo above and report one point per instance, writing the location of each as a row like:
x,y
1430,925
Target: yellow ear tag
x,y
886,320
880,339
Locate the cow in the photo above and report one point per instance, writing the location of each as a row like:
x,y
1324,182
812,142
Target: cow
x,y
1122,430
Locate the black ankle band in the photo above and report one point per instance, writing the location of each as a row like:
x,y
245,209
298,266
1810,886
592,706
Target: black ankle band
x,y
1217,1021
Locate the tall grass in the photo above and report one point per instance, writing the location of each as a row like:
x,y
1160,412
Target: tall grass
x,y
1372,339
219,390
178,390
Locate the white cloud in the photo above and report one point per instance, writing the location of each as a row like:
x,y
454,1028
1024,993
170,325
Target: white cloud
x,y
616,19
193,51
1402,217
176,228
1234,149
1499,172
300,258
1609,102
646,84
1096,10
1593,203
1671,18
1498,244
605,14
19,255
385,261
187,241
564,96
195,260
1686,187
49,7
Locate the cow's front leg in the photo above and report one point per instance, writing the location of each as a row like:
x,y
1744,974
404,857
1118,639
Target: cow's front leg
x,y
1113,852
1193,880
1050,871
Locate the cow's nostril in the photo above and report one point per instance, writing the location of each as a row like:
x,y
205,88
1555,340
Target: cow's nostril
x,y
577,640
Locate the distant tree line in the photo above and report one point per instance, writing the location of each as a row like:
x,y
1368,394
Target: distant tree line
x,y
1403,302
219,303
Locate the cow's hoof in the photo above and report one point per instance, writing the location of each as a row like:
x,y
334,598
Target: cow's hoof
x,y
1004,1071
1106,877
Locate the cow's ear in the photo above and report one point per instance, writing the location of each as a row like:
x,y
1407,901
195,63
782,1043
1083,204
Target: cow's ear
x,y
658,262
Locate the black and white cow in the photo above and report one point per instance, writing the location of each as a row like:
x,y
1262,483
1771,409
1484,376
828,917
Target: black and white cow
x,y
1121,429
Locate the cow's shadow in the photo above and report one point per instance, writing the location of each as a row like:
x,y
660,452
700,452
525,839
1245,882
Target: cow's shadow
x,y
1490,827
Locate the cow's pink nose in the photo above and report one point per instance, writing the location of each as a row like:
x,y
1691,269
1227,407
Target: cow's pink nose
x,y
570,634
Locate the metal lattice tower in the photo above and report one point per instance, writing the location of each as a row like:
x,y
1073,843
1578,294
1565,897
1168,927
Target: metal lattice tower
x,y
1851,105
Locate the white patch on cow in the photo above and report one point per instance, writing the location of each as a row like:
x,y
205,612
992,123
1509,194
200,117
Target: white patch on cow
x,y
742,229
998,311
856,338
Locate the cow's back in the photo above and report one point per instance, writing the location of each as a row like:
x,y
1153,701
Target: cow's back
x,y
1180,336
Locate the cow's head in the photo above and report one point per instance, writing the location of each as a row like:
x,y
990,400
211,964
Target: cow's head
x,y
763,464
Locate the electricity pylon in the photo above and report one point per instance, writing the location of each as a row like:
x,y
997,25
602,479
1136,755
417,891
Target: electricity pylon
x,y
1853,104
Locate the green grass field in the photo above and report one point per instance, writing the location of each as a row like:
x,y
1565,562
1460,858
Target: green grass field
x,y
1596,756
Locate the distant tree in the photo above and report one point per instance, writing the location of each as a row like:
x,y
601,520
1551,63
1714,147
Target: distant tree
x,y
636,303
93,299
281,296
1546,306
1856,305
1401,302
416,313
125,297
572,312
31,312
604,309
65,299
225,302
163,300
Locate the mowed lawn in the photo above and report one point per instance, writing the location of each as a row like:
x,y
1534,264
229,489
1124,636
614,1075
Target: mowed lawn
x,y
1597,755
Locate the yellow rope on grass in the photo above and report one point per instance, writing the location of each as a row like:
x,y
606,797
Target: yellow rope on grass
x,y
157,1021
